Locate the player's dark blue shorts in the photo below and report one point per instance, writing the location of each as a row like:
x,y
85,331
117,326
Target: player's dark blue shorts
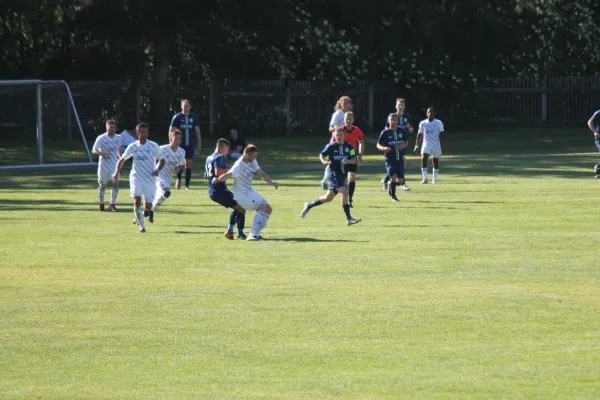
x,y
336,181
190,152
223,197
395,168
597,141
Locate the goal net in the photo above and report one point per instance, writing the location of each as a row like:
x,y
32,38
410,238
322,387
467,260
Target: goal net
x,y
39,126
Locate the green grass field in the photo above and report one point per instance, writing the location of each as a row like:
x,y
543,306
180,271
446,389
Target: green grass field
x,y
484,286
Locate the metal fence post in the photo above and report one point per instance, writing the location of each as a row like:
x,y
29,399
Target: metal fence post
x,y
39,124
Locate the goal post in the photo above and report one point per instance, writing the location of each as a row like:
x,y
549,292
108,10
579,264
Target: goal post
x,y
37,123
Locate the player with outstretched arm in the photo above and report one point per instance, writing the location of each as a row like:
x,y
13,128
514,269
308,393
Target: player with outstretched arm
x,y
249,199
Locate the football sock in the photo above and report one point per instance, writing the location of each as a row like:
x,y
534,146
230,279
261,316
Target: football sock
x,y
424,172
101,195
188,176
157,202
351,188
314,204
392,190
232,220
179,174
347,211
139,215
113,196
435,174
387,178
241,222
260,221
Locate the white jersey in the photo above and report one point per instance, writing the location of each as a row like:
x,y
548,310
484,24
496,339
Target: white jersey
x,y
144,158
338,118
173,159
243,173
431,132
106,144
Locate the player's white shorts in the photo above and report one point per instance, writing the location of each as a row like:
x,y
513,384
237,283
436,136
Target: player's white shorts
x,y
147,190
249,200
162,186
105,178
433,150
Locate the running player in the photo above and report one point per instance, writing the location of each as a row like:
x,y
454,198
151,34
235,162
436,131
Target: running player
x,y
215,166
174,158
188,123
405,122
429,131
108,148
142,178
392,141
242,171
352,135
594,125
337,156
342,106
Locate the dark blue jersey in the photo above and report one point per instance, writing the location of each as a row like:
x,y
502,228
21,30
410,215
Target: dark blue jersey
x,y
393,138
403,121
596,121
336,153
187,125
214,161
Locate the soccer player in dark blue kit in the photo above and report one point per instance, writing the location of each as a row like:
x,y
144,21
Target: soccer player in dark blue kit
x,y
594,124
392,141
189,125
336,155
215,166
404,121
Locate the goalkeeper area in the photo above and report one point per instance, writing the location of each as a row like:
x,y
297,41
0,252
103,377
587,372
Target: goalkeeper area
x,y
40,126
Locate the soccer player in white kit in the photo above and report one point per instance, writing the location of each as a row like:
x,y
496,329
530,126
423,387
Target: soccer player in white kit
x,y
174,157
108,148
244,194
429,130
142,179
342,106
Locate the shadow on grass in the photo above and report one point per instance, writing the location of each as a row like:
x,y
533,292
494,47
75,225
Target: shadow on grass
x,y
311,240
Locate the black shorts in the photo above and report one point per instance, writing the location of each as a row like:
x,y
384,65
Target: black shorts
x,y
190,152
351,167
224,197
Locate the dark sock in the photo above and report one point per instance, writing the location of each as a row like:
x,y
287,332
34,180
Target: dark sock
x,y
241,222
232,220
387,178
347,211
314,204
188,176
393,186
179,174
351,188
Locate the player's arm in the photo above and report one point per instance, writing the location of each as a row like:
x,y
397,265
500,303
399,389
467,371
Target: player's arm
x,y
351,159
419,138
381,146
266,178
592,124
97,150
361,148
161,165
222,178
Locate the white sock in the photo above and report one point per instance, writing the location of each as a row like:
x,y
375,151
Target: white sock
x,y
435,174
113,196
259,222
101,195
424,172
139,215
157,202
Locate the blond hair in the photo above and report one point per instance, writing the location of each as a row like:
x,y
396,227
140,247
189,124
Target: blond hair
x,y
338,105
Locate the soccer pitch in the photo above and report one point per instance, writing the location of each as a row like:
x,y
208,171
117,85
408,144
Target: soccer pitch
x,y
485,285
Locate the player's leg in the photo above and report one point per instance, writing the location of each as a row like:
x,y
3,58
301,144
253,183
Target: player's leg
x,y
188,172
101,193
326,198
436,169
403,186
325,177
343,191
393,186
163,192
261,217
240,220
149,196
385,181
139,212
424,160
351,186
597,166
113,196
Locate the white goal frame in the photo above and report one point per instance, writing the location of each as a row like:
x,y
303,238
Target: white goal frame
x,y
39,125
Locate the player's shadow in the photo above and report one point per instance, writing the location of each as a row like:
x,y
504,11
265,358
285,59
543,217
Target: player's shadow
x,y
311,240
194,233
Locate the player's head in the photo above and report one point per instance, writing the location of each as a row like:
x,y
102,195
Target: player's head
x,y
400,104
344,103
393,120
186,106
251,152
141,131
339,134
430,113
233,134
349,118
175,137
222,146
111,126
